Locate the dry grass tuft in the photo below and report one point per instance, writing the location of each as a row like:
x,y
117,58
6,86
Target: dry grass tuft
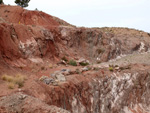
x,y
11,85
7,78
19,80
14,80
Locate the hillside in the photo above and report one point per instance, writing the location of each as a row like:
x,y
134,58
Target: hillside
x,y
37,53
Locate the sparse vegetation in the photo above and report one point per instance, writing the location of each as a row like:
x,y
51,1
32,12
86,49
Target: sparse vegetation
x,y
64,58
73,63
11,85
7,78
111,68
89,68
50,66
95,68
99,51
126,67
42,68
116,66
36,9
98,62
14,80
33,25
78,71
19,80
84,63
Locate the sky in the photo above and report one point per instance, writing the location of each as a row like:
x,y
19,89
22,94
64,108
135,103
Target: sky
x,y
97,13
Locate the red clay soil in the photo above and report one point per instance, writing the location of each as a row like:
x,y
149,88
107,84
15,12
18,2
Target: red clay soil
x,y
15,14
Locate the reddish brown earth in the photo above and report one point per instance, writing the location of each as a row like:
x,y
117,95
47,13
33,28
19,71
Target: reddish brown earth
x,y
33,44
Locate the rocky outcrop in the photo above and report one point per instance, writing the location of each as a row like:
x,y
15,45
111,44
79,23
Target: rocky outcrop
x,y
27,42
28,34
104,44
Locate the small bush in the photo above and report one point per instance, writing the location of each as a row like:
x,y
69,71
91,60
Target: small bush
x,y
4,77
33,25
73,63
11,85
78,71
36,9
111,69
96,68
50,66
99,51
84,63
42,68
64,58
126,67
19,80
116,66
89,68
7,78
98,62
20,84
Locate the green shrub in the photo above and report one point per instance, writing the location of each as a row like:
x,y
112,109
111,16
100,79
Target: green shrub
x,y
64,58
73,63
89,68
84,63
111,69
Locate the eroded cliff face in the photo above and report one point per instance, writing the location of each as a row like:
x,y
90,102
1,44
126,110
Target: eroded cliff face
x,y
101,92
105,43
31,40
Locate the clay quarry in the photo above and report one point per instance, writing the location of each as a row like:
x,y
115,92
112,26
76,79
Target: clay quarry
x,y
50,66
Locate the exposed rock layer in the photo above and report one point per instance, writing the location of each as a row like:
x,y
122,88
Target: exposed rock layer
x,y
101,92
